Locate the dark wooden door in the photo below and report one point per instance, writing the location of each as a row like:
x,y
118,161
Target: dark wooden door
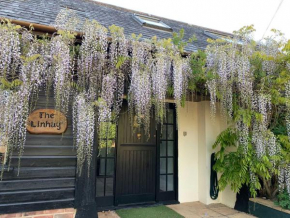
x,y
136,173
136,162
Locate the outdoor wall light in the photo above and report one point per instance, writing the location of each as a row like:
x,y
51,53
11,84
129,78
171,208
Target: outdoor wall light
x,y
139,136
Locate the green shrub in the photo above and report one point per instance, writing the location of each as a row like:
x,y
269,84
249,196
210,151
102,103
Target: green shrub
x,y
283,200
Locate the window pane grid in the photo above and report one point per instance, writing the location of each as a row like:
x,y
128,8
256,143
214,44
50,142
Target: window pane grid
x,y
167,166
106,161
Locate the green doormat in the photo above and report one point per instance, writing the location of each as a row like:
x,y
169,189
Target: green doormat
x,y
148,212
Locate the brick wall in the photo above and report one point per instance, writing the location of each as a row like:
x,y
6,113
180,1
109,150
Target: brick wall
x,y
58,213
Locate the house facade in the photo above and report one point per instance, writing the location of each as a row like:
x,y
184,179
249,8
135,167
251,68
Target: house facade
x,y
172,166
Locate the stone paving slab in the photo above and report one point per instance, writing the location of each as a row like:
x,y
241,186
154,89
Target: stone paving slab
x,y
108,214
198,210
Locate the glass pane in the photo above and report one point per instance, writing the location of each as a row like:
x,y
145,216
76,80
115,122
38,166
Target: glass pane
x,y
101,166
163,132
110,167
170,132
170,116
162,165
170,147
163,148
109,186
155,23
162,183
100,187
107,130
169,165
170,183
111,152
102,148
111,148
103,130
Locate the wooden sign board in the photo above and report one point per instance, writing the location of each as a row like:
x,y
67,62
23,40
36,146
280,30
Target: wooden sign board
x,y
46,121
3,149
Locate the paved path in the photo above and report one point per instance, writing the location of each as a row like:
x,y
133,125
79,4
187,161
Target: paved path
x,y
197,210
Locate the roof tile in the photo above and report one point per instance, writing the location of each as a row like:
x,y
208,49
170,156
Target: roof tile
x,y
44,12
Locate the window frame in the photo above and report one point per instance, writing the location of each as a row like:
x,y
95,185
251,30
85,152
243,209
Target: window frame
x,y
141,19
166,196
105,176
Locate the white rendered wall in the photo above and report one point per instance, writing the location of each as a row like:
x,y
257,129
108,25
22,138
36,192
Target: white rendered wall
x,y
188,153
196,134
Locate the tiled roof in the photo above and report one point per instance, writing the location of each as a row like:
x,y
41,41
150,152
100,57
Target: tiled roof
x,y
45,11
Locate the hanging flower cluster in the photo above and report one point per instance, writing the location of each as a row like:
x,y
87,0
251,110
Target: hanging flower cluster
x,y
260,137
287,94
284,178
62,65
228,66
20,79
161,73
33,69
140,88
107,98
14,111
66,19
118,64
9,49
91,61
181,71
271,49
119,46
83,129
243,130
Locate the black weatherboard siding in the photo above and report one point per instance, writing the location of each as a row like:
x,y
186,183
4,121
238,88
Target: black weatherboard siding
x,y
44,12
47,172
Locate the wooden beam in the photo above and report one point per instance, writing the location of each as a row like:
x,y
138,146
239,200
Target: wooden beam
x,y
51,29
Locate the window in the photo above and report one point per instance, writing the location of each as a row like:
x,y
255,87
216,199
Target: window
x,y
167,153
216,35
106,160
152,22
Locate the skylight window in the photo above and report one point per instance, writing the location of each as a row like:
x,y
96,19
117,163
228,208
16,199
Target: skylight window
x,y
151,22
215,35
226,37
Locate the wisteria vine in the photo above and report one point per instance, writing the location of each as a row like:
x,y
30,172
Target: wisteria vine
x,y
250,82
90,76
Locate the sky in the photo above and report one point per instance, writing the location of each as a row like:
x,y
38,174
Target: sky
x,y
223,15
